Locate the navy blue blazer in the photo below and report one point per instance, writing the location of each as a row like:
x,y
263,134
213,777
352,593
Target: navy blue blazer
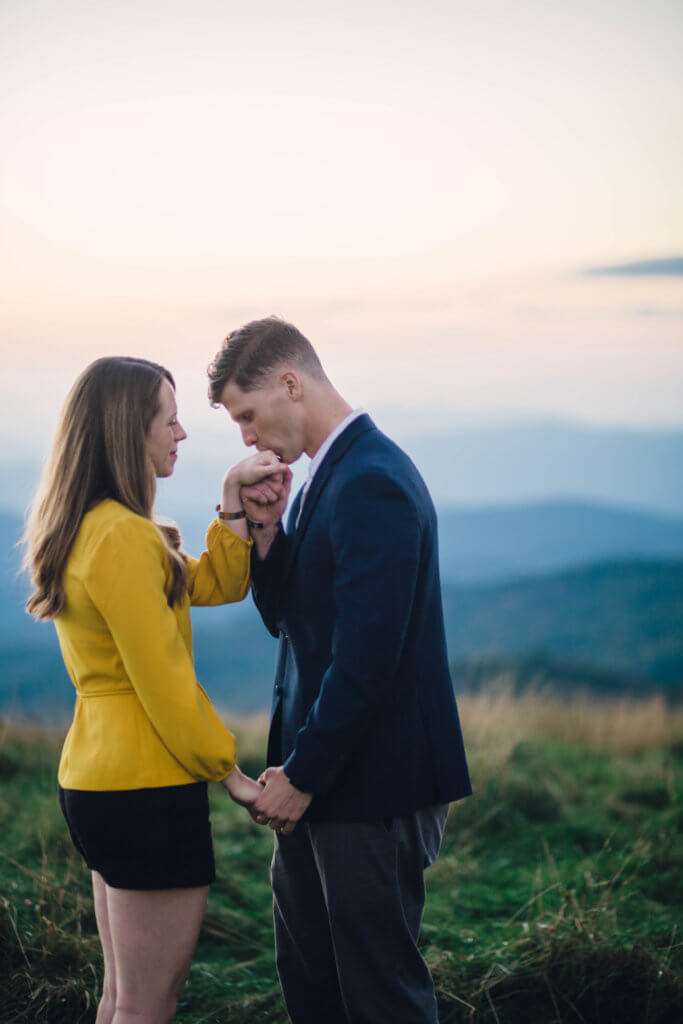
x,y
363,715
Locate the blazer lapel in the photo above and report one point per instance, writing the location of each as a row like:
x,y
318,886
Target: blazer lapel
x,y
337,451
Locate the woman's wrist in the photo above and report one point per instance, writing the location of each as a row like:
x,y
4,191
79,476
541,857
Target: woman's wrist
x,y
230,497
226,780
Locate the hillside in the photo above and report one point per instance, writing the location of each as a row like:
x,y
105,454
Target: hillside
x,y
616,626
612,625
620,616
498,542
540,673
557,896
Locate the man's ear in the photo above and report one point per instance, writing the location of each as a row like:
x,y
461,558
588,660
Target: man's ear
x,y
294,385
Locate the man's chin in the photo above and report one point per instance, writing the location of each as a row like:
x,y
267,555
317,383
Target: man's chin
x,y
289,459
286,458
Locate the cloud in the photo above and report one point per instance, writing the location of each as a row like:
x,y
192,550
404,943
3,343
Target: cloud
x,y
670,267
666,312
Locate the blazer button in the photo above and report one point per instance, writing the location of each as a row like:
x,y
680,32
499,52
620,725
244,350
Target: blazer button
x,y
279,690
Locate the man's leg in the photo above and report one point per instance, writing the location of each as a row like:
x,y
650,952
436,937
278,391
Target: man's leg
x,y
372,876
303,945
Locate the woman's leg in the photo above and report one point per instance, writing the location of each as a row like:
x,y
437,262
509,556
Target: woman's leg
x,y
154,934
107,1004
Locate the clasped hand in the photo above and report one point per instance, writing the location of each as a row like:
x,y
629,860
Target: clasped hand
x,y
272,801
266,500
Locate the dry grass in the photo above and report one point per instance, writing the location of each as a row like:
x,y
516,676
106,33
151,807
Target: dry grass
x,y
556,896
495,723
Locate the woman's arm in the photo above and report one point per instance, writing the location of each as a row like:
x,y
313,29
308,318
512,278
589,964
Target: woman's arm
x,y
126,581
221,574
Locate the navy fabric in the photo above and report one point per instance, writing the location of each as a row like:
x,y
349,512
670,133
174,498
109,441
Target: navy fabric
x,y
363,712
347,911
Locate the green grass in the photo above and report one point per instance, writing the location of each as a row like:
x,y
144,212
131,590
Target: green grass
x,y
558,896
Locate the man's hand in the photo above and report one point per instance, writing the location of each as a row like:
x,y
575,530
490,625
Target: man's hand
x,y
260,507
263,474
261,504
280,804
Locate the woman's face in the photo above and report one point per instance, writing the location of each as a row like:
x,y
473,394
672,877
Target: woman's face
x,y
165,432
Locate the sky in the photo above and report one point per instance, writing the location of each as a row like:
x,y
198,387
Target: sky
x,y
453,201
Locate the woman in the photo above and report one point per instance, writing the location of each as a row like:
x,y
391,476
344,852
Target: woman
x,y
145,739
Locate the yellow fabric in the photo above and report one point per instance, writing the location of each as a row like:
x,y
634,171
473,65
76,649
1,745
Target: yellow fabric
x,y
141,718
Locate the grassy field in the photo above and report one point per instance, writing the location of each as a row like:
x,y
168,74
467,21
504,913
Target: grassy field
x,y
558,896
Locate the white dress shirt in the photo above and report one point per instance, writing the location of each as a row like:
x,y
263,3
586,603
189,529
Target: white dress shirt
x,y
322,452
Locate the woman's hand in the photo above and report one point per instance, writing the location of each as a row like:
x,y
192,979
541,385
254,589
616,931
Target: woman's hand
x,y
264,475
243,790
270,508
254,469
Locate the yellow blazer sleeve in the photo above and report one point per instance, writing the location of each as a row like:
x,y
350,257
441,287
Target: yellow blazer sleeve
x,y
222,573
126,579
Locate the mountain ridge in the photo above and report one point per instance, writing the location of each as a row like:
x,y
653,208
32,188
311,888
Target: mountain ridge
x,y
610,627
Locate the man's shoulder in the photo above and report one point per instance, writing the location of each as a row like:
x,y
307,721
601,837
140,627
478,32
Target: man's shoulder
x,y
375,456
375,452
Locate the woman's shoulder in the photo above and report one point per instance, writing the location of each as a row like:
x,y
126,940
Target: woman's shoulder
x,y
113,527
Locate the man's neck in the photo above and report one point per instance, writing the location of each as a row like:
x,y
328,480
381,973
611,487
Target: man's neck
x,y
328,412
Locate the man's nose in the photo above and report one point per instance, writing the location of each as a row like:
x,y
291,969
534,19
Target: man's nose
x,y
248,436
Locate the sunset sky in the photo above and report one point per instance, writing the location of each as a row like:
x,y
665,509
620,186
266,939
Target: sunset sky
x,y
459,204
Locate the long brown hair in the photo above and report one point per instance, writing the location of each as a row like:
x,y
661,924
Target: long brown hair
x,y
98,452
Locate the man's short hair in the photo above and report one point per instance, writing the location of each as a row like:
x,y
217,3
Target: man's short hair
x,y
250,353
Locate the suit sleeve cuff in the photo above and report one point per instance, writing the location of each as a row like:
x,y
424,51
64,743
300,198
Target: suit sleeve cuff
x,y
297,774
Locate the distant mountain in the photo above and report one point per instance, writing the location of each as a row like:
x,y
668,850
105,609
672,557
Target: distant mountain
x,y
537,461
518,461
15,625
624,617
540,673
610,627
499,542
477,544
33,680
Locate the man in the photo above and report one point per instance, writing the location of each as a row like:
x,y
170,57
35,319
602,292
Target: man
x,y
365,749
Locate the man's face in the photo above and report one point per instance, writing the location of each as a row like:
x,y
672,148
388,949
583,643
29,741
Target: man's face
x,y
267,417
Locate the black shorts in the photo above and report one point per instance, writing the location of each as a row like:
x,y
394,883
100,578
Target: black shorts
x,y
143,838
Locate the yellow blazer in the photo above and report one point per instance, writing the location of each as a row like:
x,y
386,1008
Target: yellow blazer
x,y
141,719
